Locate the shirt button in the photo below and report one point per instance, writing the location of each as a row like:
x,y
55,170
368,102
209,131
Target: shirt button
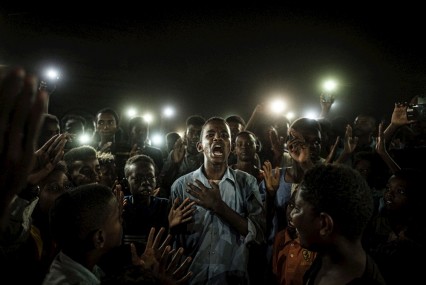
x,y
291,255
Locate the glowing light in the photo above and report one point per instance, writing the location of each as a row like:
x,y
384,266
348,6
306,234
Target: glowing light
x,y
84,139
52,74
290,115
330,85
157,140
148,118
168,112
131,112
277,106
311,114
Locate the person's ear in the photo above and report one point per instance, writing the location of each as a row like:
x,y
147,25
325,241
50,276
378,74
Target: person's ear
x,y
199,147
258,146
98,239
326,224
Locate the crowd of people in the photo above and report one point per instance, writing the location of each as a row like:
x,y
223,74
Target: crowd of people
x,y
262,200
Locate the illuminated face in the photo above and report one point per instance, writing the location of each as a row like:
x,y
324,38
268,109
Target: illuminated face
x,y
142,180
85,172
396,194
216,142
106,125
306,221
245,147
192,137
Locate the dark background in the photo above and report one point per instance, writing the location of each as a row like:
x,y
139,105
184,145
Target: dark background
x,y
220,60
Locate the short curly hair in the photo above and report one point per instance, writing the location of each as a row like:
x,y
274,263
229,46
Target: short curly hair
x,y
341,192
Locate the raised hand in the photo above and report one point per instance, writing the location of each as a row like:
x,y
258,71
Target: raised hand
x,y
181,213
350,141
272,179
47,157
21,108
119,195
172,269
298,148
162,260
333,150
153,250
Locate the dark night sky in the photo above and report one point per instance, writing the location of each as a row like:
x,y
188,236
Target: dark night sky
x,y
220,61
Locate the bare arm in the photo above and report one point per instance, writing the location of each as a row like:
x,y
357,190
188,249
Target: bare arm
x,y
21,108
381,150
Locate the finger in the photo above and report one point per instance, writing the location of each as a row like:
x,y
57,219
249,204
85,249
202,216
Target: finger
x,y
155,192
175,260
175,203
165,256
185,279
47,144
158,237
150,238
136,260
181,270
166,241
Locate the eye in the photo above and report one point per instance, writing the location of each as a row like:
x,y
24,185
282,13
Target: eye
x,y
400,191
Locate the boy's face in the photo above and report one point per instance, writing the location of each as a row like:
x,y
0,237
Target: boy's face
x,y
142,179
106,125
245,147
85,171
216,142
304,218
192,137
311,139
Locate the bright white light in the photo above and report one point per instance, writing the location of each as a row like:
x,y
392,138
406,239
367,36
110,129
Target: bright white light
x,y
311,114
290,115
168,112
148,118
131,112
84,139
277,106
330,85
52,74
157,140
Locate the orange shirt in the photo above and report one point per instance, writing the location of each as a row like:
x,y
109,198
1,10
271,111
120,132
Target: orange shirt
x,y
289,259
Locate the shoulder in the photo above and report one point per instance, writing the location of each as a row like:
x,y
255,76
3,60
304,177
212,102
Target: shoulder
x,y
182,180
242,178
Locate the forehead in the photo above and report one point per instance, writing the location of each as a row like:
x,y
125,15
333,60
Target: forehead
x,y
192,127
215,126
234,124
144,166
105,117
245,136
